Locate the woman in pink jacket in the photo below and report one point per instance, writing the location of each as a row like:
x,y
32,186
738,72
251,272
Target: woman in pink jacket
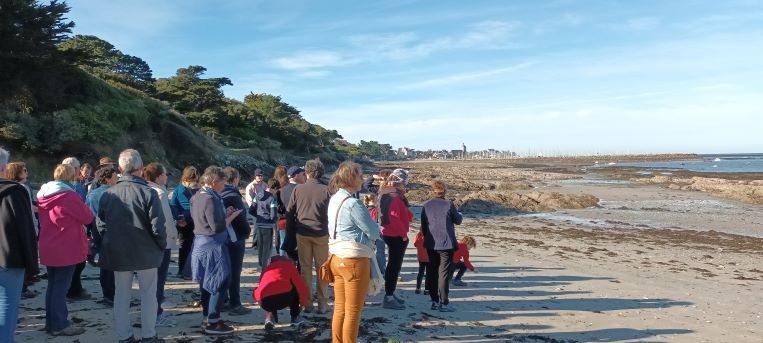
x,y
395,218
63,244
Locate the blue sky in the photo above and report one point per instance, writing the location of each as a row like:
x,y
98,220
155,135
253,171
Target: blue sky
x,y
552,77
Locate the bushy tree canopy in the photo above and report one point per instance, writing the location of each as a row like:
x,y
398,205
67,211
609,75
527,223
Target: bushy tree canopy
x,y
103,59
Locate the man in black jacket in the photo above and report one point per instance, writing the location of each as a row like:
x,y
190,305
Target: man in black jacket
x,y
232,198
18,248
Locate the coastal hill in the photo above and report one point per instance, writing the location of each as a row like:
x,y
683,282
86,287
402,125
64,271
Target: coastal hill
x,y
63,95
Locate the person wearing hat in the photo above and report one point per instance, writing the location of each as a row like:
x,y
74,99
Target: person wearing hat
x,y
253,187
307,216
296,177
395,219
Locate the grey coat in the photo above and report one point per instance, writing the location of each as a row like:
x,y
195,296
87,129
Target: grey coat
x,y
131,213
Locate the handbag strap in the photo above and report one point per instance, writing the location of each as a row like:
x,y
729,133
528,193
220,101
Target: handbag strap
x,y
336,218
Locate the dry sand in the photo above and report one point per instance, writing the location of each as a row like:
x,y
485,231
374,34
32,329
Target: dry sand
x,y
645,264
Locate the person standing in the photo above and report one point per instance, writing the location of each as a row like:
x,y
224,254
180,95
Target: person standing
x,y
395,218
307,216
18,248
181,210
210,263
232,198
438,219
289,242
352,246
156,175
132,214
264,210
63,244
105,177
76,292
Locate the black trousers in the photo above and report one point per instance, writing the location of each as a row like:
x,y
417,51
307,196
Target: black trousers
x,y
439,275
185,238
276,302
422,274
396,247
75,287
461,267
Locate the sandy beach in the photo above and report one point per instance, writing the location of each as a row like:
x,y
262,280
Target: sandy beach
x,y
564,255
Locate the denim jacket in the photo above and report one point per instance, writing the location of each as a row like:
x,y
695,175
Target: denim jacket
x,y
354,223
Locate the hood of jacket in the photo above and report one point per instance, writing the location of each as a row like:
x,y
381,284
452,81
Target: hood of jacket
x,y
51,192
54,187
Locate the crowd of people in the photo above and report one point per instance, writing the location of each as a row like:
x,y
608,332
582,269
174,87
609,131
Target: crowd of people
x,y
308,233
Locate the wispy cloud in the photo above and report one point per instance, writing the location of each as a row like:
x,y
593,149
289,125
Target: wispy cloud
x,y
641,24
465,77
400,46
306,60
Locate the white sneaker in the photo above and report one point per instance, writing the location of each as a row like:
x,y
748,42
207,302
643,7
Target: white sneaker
x,y
164,321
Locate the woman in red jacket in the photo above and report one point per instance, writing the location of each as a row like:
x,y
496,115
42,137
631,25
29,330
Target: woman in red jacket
x,y
395,219
281,286
63,244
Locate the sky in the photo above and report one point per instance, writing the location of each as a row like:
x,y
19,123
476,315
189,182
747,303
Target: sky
x,y
551,77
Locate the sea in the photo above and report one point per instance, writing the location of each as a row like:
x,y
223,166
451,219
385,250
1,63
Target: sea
x,y
714,163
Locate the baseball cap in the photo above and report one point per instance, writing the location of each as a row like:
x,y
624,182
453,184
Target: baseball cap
x,y
294,170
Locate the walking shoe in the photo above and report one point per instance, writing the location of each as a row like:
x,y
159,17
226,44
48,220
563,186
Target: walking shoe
x,y
218,328
164,321
129,340
458,282
392,304
28,294
269,324
435,306
447,308
322,309
154,339
106,302
84,295
70,330
417,291
400,300
239,310
297,321
426,292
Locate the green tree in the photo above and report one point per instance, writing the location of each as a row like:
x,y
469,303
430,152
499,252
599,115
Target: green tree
x,y
101,58
201,100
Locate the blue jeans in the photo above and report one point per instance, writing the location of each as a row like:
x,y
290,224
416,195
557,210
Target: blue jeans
x,y
380,259
236,250
281,237
11,282
162,279
211,303
56,312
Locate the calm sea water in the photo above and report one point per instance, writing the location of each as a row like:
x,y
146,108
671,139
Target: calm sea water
x,y
717,163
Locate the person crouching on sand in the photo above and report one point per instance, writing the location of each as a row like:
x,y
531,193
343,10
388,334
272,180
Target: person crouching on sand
x,y
461,259
281,286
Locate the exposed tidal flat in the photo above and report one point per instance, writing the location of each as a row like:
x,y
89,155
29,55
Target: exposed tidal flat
x,y
566,253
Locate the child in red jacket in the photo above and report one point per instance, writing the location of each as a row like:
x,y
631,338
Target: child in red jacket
x,y
464,245
281,286
423,257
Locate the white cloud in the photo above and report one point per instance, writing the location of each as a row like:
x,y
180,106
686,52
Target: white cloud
x,y
315,59
641,24
465,77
